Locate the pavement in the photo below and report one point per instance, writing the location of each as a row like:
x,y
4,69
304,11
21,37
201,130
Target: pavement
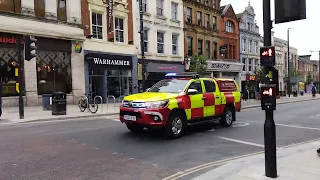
x,y
103,148
11,114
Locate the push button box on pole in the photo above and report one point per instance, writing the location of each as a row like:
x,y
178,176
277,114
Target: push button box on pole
x,y
59,103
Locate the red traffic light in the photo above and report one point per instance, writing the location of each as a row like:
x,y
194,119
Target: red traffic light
x,y
268,52
267,56
268,92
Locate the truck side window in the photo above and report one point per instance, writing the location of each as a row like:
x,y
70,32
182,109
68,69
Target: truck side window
x,y
196,85
210,86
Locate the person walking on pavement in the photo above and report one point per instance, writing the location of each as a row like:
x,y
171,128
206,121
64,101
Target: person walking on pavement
x,y
313,90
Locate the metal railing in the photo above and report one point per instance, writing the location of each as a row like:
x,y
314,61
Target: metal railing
x,y
101,101
114,101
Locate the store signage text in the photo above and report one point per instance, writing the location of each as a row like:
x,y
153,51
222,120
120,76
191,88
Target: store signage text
x,y
174,68
220,66
110,14
117,62
10,40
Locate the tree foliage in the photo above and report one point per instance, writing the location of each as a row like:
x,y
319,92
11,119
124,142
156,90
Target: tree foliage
x,y
261,76
198,64
309,79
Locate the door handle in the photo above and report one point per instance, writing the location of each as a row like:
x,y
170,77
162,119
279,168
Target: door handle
x,y
203,98
217,97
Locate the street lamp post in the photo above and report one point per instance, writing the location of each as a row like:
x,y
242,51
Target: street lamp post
x,y
288,59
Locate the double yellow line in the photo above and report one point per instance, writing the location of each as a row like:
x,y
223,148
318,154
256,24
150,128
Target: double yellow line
x,y
207,165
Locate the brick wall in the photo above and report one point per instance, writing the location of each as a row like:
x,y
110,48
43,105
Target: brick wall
x,y
85,13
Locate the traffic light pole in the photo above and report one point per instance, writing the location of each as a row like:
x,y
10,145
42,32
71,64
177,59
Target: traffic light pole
x,y
269,125
20,79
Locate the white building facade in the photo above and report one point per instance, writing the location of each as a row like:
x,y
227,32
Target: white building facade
x,y
57,27
163,38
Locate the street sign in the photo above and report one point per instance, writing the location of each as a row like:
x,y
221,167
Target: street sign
x,y
267,56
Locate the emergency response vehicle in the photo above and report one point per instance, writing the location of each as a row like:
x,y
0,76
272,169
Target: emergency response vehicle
x,y
180,100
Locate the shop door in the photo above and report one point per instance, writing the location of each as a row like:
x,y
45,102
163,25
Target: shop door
x,y
118,84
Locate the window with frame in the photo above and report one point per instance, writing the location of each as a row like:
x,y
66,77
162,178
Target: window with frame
x,y
175,38
160,42
13,6
144,5
244,69
215,50
250,23
189,15
214,22
229,27
39,8
244,45
257,47
174,11
160,7
197,86
62,10
256,64
206,2
210,86
208,49
207,19
250,64
214,4
96,25
119,29
190,46
200,47
250,46
146,39
199,18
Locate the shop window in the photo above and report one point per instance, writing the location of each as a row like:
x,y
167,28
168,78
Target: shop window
x,y
62,10
190,48
119,29
39,8
175,38
160,42
96,25
8,64
13,6
54,66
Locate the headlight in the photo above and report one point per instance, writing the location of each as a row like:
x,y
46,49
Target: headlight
x,y
125,103
157,104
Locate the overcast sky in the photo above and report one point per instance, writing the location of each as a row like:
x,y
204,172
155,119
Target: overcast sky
x,y
304,34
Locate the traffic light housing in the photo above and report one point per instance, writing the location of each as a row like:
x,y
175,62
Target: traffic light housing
x,y
30,46
267,56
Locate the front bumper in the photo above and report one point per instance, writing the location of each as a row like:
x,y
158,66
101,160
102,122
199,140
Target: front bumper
x,y
145,117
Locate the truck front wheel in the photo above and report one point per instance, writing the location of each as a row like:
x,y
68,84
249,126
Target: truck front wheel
x,y
228,117
175,126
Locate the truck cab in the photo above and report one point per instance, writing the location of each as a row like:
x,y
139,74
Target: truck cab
x,y
180,100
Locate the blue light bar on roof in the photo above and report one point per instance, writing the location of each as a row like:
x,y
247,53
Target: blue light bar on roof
x,y
171,74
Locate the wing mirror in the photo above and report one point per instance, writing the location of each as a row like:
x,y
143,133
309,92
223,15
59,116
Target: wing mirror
x,y
192,92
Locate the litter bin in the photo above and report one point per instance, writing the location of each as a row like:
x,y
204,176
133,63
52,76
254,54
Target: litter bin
x,y
47,102
59,103
295,94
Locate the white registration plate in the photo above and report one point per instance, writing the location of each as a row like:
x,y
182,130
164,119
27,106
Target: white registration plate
x,y
129,118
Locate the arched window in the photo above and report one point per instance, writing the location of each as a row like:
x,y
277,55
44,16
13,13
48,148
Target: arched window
x,y
229,27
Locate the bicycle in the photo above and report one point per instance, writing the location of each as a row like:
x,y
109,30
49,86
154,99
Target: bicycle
x,y
85,102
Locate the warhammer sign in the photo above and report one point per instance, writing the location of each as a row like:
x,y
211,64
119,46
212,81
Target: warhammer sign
x,y
224,66
220,66
108,61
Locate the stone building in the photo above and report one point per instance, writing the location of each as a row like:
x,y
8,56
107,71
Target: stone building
x,y
57,26
249,45
163,38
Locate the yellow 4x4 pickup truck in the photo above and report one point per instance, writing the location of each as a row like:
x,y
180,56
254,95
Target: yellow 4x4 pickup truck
x,y
179,100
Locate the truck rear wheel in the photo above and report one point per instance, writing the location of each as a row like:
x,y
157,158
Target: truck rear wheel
x,y
175,126
228,117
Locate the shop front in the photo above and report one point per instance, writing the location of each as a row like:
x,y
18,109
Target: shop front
x,y
156,70
224,69
50,72
110,75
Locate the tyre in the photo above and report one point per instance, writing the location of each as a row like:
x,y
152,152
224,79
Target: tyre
x,y
82,105
93,107
135,128
175,126
228,117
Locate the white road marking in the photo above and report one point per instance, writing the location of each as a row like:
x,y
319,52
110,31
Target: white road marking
x,y
241,142
240,124
298,126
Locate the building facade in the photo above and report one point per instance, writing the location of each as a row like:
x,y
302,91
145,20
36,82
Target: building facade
x,y
249,45
163,38
307,66
57,27
110,63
